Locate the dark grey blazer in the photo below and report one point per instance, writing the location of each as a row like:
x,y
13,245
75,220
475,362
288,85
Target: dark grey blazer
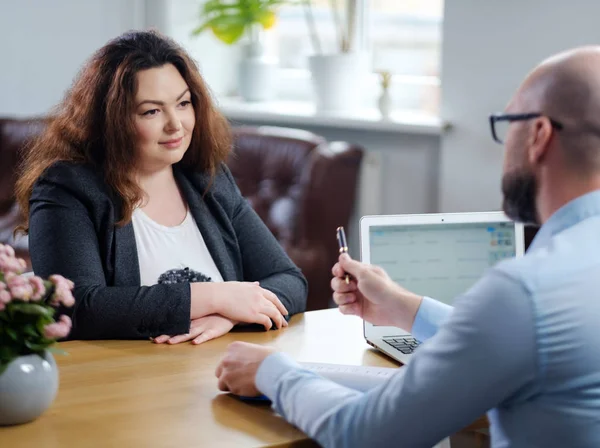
x,y
73,232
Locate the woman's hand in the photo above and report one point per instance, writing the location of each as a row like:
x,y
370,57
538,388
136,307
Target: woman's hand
x,y
239,301
201,330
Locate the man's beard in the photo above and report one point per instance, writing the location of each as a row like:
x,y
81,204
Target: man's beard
x,y
519,189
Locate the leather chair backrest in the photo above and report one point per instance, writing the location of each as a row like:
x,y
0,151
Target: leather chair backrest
x,y
15,134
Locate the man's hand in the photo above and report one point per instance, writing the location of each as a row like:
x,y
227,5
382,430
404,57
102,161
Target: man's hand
x,y
372,294
237,370
201,330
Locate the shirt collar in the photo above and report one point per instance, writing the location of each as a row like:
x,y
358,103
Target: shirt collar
x,y
568,215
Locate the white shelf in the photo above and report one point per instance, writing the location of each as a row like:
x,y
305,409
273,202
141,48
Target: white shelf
x,y
298,113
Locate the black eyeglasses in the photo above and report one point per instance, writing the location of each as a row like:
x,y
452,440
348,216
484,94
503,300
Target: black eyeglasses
x,y
499,123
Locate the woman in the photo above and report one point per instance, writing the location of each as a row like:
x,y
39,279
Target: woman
x,y
127,194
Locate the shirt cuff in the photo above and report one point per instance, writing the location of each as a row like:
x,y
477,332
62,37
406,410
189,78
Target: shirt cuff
x,y
430,316
271,370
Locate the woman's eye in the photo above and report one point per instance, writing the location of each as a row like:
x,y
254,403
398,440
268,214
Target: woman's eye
x,y
150,112
185,103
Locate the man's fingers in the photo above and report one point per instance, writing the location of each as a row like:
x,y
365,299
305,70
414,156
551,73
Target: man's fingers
x,y
340,285
351,266
344,298
219,369
275,301
339,273
223,384
337,270
352,308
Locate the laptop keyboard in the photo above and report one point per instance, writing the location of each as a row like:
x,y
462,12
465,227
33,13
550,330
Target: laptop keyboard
x,y
406,345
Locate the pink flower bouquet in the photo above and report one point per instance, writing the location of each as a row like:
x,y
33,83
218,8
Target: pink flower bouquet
x,y
27,308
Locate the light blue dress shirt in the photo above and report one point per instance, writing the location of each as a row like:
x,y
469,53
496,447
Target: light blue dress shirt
x,y
523,343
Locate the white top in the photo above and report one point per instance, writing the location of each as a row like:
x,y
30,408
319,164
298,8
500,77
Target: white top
x,y
161,249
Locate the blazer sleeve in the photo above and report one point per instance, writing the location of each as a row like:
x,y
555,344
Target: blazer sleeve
x,y
263,258
63,240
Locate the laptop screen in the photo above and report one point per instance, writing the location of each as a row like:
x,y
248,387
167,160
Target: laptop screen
x,y
440,260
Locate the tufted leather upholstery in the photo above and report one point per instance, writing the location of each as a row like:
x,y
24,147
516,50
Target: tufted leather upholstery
x,y
14,134
300,185
303,188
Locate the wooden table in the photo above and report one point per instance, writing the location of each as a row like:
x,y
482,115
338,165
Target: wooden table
x,y
139,394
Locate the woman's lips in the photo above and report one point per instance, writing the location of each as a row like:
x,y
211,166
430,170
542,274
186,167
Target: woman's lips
x,y
172,144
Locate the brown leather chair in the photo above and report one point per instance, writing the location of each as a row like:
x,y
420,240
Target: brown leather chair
x,y
301,186
14,135
530,233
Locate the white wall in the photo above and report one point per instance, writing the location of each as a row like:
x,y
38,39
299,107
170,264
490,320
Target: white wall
x,y
489,46
44,43
217,61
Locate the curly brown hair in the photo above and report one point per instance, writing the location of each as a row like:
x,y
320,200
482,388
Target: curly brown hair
x,y
94,124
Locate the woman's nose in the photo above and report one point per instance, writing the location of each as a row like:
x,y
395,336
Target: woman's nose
x,y
173,124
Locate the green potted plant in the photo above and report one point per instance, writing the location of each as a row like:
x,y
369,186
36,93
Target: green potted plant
x,y
232,20
28,329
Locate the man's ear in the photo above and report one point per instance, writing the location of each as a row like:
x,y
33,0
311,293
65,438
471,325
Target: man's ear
x,y
540,140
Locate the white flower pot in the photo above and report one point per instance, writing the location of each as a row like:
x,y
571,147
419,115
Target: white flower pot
x,y
257,73
338,81
28,387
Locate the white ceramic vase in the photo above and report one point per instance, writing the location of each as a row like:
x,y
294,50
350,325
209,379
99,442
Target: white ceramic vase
x,y
28,387
384,104
338,81
257,73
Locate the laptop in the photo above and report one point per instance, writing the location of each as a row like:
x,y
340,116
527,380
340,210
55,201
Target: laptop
x,y
436,255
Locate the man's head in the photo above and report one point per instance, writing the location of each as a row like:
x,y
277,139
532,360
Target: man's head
x,y
562,143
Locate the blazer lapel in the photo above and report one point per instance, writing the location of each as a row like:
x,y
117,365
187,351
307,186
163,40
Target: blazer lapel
x,y
209,227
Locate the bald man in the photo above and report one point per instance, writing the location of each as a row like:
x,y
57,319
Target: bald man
x,y
523,343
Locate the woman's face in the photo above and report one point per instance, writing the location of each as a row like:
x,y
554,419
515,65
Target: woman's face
x,y
164,118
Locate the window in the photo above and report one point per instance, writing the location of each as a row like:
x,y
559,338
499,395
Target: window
x,y
402,36
292,39
405,36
